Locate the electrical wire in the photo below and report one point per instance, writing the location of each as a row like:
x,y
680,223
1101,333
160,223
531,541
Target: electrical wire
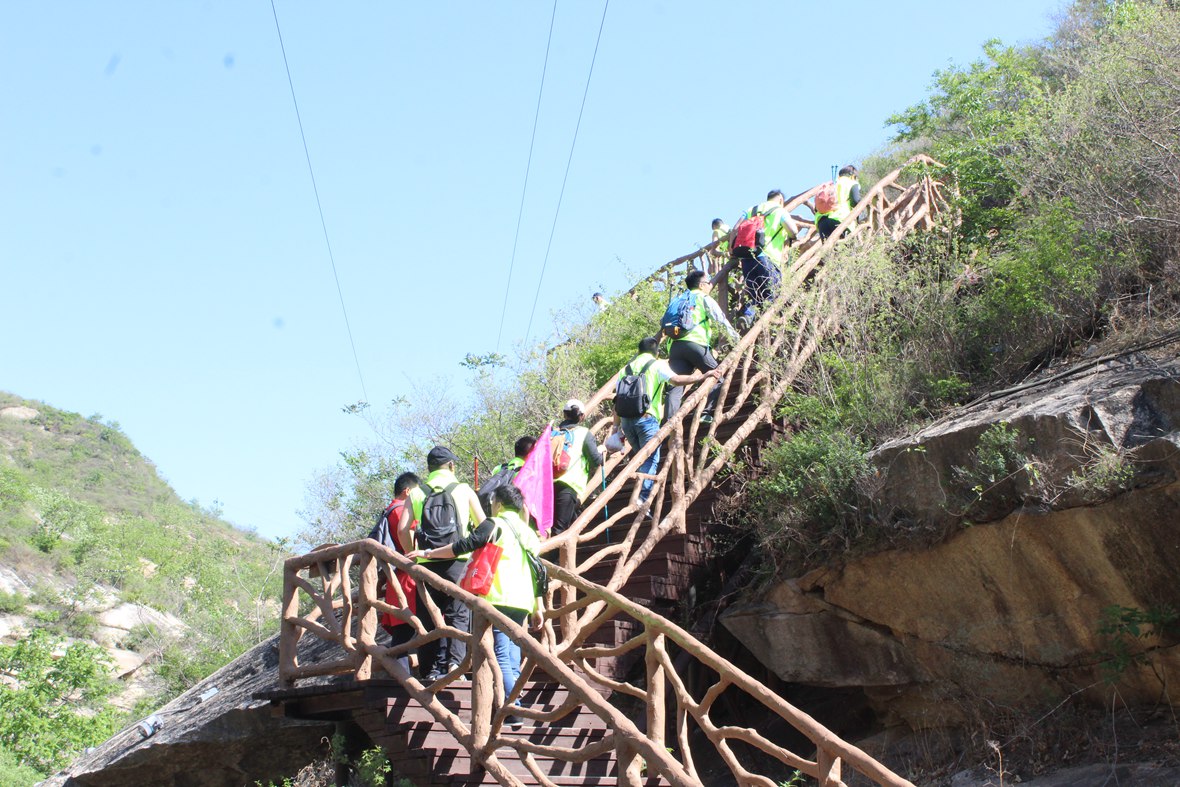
x,y
569,161
318,204
527,167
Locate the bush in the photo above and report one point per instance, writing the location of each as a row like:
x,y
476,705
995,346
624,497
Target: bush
x,y
52,707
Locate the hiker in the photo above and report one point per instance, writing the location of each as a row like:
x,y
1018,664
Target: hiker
x,y
443,518
760,242
504,473
692,347
575,458
400,632
639,402
721,253
844,196
512,583
600,301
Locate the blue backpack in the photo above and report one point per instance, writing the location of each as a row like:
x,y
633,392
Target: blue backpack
x,y
681,315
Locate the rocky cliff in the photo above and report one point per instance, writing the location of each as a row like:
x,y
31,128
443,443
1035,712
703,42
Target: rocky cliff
x,y
1054,568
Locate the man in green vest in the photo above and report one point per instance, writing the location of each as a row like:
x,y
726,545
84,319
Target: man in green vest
x,y
641,430
694,349
578,444
439,657
762,264
847,198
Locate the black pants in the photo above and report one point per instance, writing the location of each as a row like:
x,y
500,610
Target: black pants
x,y
565,507
826,226
437,656
762,277
684,358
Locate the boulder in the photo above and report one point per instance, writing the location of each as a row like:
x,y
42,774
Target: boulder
x,y
127,616
1011,611
18,413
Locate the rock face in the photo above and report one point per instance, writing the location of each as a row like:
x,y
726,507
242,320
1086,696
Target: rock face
x,y
1011,610
228,739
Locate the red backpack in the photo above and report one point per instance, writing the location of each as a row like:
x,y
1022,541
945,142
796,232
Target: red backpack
x,y
825,200
750,232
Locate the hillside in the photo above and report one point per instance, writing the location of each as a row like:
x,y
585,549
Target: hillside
x,y
113,590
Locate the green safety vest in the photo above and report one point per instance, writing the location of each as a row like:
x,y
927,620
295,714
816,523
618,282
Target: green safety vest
x,y
438,480
654,382
512,584
844,205
515,463
702,332
723,246
577,475
775,228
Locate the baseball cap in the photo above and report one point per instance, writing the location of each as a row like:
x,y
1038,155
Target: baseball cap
x,y
439,456
574,405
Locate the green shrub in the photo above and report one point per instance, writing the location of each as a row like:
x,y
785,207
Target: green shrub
x,y
14,774
12,603
52,707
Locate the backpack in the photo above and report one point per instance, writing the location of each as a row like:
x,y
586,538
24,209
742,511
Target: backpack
x,y
681,315
502,478
440,523
383,530
750,232
825,200
563,455
631,395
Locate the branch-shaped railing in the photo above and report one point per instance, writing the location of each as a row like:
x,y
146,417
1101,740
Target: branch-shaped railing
x,y
678,716
758,372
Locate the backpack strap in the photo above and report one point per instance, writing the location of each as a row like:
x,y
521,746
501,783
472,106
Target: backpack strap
x,y
646,366
516,535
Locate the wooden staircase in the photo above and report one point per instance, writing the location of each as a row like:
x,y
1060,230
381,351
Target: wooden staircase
x,y
605,644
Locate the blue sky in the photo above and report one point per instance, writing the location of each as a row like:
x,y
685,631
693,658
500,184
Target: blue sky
x,y
162,260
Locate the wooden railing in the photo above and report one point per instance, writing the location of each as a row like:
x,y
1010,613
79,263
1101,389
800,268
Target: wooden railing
x,y
337,614
758,372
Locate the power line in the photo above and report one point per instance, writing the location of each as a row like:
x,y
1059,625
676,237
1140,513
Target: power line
x,y
318,204
528,166
569,161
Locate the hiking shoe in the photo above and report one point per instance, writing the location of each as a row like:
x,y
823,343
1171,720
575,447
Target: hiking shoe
x,y
513,722
706,418
434,676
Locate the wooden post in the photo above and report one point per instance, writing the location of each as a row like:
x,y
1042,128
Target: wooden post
x,y
288,632
630,765
829,769
656,686
367,615
483,687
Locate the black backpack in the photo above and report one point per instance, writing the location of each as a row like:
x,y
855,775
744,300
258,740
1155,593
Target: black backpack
x,y
383,531
631,395
502,478
440,523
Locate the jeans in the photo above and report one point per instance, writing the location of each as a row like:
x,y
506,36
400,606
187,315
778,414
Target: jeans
x,y
762,278
639,431
684,358
507,651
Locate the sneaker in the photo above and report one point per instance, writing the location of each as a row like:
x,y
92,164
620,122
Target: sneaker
x,y
513,722
434,676
706,418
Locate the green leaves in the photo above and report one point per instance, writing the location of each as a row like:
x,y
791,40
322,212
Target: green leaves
x,y
51,701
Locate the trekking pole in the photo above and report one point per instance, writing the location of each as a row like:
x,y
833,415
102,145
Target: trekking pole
x,y
605,509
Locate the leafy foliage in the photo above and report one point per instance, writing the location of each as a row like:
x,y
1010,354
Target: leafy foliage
x,y
43,694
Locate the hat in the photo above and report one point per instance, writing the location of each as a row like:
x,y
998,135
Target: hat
x,y
439,456
574,405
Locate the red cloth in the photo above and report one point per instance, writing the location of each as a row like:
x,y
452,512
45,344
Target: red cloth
x,y
409,586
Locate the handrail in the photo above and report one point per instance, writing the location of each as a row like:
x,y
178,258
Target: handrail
x,y
787,335
353,629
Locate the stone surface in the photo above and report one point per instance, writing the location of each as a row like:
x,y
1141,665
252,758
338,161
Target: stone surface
x,y
1009,610
19,413
128,616
231,739
1116,775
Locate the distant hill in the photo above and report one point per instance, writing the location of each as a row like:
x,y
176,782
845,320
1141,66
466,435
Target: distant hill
x,y
97,550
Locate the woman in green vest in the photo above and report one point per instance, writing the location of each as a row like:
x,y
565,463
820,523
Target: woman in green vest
x,y
512,584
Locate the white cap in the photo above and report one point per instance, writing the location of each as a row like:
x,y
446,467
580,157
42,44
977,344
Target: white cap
x,y
574,404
